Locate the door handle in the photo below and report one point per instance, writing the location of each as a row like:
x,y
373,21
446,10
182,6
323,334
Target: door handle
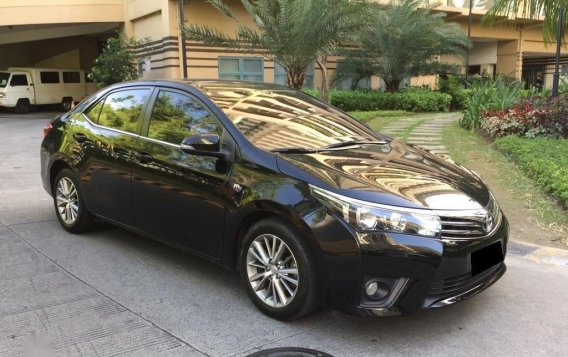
x,y
143,156
80,138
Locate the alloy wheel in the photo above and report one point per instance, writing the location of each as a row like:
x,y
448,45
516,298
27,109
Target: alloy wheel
x,y
272,271
67,201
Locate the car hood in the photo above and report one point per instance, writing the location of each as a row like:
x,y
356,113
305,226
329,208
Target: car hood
x,y
393,173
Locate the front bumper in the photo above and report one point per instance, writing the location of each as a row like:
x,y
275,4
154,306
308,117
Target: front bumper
x,y
438,272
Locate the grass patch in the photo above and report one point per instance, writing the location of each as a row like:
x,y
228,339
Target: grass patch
x,y
377,119
545,160
471,150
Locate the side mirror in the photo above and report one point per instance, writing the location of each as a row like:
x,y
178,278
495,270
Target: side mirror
x,y
204,145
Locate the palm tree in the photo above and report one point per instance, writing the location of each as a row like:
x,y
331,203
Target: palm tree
x,y
405,39
293,33
554,21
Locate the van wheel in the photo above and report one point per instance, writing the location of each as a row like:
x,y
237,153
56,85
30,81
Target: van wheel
x,y
278,270
23,106
66,104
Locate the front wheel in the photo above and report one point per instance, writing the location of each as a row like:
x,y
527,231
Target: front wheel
x,y
278,270
69,204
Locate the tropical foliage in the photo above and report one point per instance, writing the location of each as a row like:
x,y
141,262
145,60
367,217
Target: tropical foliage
x,y
536,116
116,63
404,39
293,33
489,95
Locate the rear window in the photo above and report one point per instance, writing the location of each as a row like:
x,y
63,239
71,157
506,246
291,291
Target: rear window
x,y
49,77
71,77
121,110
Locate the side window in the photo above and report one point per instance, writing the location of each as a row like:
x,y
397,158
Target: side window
x,y
93,112
19,80
49,77
121,110
71,77
176,116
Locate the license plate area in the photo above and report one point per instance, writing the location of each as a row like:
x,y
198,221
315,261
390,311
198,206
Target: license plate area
x,y
486,257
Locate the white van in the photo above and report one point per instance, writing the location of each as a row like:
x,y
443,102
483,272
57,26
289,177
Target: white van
x,y
21,88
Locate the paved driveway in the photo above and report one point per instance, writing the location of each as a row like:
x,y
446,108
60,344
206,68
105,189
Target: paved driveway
x,y
111,292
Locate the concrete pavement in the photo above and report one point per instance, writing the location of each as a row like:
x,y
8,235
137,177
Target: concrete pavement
x,y
111,292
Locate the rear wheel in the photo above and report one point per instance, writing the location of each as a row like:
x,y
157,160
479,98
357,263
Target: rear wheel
x,y
66,104
278,271
69,203
23,106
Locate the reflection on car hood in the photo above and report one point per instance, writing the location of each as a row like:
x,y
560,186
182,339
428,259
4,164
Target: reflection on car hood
x,y
393,173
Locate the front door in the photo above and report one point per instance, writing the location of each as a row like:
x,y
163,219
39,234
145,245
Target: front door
x,y
177,196
19,88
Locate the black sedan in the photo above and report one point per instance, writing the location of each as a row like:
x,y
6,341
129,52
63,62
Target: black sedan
x,y
309,205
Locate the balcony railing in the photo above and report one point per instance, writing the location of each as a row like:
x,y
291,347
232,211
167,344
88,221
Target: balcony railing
x,y
479,5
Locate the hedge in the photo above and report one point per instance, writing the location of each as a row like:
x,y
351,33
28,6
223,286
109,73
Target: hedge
x,y
544,159
412,100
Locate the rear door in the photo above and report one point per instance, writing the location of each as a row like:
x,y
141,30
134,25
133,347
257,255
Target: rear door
x,y
107,144
178,196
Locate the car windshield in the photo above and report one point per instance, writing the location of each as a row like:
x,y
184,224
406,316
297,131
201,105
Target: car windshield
x,y
4,76
276,118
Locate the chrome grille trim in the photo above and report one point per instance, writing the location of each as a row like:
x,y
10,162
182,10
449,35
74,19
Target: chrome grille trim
x,y
470,224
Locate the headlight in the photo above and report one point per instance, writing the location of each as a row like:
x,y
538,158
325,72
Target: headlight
x,y
2,95
366,216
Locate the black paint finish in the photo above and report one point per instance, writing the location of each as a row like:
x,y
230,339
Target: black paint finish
x,y
204,204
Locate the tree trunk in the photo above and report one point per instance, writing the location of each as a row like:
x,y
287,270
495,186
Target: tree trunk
x,y
324,87
295,77
393,85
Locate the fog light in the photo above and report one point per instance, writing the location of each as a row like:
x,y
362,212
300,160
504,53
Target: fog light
x,y
377,290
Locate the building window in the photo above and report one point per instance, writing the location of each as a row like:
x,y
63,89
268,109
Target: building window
x,y
241,69
280,76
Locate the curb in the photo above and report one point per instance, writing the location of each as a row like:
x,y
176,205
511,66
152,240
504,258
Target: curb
x,y
539,253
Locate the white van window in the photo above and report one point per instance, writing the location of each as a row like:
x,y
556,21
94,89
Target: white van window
x,y
71,77
49,77
19,80
4,79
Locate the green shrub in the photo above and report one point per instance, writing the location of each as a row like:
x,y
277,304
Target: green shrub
x,y
536,116
453,85
544,159
410,100
489,95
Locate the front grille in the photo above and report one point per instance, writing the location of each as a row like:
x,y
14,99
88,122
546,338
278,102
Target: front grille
x,y
459,283
462,228
449,285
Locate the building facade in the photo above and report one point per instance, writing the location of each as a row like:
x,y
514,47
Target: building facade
x,y
71,33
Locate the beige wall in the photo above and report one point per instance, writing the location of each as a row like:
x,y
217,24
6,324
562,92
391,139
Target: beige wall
x,y
483,53
23,12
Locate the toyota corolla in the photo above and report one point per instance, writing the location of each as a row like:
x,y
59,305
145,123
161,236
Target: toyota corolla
x,y
310,206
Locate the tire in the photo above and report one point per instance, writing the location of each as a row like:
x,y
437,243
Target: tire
x,y
22,106
66,104
75,218
276,295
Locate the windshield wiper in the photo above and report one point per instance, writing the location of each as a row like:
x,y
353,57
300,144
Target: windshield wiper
x,y
335,146
345,144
